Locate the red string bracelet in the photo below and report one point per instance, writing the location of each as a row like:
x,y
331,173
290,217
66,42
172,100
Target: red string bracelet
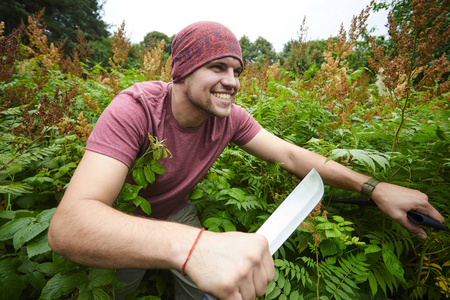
x,y
190,252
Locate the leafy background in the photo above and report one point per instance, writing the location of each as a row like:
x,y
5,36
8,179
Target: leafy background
x,y
376,105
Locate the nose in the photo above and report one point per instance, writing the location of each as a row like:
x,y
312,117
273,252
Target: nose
x,y
230,80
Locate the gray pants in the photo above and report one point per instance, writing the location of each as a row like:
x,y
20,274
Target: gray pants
x,y
185,289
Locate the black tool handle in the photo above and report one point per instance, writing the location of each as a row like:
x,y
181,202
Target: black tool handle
x,y
414,216
421,219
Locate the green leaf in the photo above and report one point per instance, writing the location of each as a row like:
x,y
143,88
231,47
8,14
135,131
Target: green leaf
x,y
372,249
38,245
139,177
149,174
196,194
94,294
373,283
27,233
15,188
129,192
337,153
49,268
11,285
157,167
7,214
36,279
363,158
144,204
237,194
334,232
46,215
8,230
73,281
101,277
393,264
52,290
328,247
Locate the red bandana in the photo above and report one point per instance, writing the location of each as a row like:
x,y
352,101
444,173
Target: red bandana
x,y
200,43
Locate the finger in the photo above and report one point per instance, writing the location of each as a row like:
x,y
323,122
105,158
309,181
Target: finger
x,y
247,288
269,267
414,229
260,282
431,212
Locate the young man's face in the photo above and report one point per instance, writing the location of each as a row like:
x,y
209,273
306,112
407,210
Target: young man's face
x,y
212,88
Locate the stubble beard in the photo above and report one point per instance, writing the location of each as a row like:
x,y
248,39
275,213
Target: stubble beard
x,y
208,108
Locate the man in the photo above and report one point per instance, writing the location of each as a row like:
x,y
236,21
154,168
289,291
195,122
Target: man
x,y
196,116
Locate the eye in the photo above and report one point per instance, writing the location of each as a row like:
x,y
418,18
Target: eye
x,y
217,67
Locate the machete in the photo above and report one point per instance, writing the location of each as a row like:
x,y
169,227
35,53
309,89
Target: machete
x,y
290,214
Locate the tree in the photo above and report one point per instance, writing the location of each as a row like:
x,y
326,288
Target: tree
x,y
299,56
264,50
62,18
246,47
155,37
258,51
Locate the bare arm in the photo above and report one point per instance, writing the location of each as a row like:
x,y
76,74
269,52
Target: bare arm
x,y
392,199
86,229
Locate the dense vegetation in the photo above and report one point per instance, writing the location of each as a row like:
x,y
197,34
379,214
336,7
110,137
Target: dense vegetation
x,y
388,119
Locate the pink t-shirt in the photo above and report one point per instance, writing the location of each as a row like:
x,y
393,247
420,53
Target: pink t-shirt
x,y
122,130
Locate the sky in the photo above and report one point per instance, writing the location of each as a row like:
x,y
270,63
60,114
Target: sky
x,y
276,21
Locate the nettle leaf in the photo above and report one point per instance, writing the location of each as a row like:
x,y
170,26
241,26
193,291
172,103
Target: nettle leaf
x,y
46,215
36,279
49,268
27,233
11,285
52,290
7,214
8,230
38,245
33,229
73,281
94,294
15,188
101,277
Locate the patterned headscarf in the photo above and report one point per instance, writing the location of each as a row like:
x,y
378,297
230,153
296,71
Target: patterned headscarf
x,y
200,43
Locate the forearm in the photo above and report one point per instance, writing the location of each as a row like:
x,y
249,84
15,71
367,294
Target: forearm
x,y
95,234
301,161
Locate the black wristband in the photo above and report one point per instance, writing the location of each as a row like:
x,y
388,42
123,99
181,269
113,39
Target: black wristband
x,y
368,187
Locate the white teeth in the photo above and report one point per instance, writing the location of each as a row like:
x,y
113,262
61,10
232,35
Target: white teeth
x,y
222,96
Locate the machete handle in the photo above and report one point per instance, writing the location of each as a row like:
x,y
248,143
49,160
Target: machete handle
x,y
421,219
414,216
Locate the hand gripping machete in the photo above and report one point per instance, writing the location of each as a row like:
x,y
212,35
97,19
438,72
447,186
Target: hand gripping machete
x,y
290,214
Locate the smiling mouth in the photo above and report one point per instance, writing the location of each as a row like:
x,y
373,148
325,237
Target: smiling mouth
x,y
222,96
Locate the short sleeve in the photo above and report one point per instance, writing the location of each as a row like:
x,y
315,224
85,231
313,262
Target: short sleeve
x,y
246,126
119,132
